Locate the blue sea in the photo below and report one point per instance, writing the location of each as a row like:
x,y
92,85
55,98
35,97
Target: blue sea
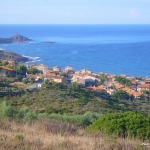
x,y
116,49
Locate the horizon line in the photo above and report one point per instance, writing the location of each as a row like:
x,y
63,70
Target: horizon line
x,y
76,24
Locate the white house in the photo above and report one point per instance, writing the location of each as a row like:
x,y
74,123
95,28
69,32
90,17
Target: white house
x,y
68,68
56,68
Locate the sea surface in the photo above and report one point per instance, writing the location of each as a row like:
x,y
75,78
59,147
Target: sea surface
x,y
116,49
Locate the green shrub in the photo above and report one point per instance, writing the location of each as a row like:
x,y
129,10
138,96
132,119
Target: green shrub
x,y
19,114
30,117
83,120
7,111
128,124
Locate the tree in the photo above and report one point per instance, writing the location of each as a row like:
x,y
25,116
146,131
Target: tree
x,y
25,80
123,80
102,78
5,63
120,95
33,71
31,80
103,95
21,69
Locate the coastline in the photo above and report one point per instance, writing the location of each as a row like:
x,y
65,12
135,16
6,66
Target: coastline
x,y
31,59
81,47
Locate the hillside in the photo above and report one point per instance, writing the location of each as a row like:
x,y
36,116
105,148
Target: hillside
x,y
17,38
66,117
7,55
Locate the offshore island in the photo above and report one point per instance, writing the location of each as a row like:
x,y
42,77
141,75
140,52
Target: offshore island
x,y
17,38
72,106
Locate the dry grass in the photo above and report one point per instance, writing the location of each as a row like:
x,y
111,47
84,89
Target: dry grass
x,y
20,84
53,135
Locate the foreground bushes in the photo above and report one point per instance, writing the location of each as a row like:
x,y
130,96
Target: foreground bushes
x,y
126,124
24,114
83,120
12,113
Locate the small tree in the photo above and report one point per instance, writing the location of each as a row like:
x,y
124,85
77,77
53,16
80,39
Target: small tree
x,y
33,71
25,80
123,80
31,80
102,78
5,63
21,70
121,95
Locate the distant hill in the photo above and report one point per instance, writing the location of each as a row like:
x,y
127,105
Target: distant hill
x,y
17,38
6,55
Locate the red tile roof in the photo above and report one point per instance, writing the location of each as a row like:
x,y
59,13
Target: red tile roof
x,y
144,86
5,68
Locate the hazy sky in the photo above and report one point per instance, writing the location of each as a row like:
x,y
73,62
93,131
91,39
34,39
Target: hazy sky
x,y
74,11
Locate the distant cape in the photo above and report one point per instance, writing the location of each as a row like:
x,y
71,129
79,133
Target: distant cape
x,y
7,55
17,38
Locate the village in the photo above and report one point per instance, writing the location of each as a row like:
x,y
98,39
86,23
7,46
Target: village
x,y
93,82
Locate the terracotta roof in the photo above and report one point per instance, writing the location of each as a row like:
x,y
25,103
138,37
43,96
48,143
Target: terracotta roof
x,y
119,86
137,94
144,86
134,82
132,92
147,82
93,88
8,69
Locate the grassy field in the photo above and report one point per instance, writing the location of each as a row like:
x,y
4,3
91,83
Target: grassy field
x,y
55,135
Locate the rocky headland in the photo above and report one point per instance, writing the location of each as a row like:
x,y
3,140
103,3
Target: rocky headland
x,y
7,55
17,38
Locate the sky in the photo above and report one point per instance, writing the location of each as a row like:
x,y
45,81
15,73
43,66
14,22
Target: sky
x,y
74,11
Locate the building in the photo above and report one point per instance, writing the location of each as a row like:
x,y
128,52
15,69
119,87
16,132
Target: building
x,y
111,91
68,68
59,79
84,79
7,71
143,87
41,67
56,68
90,80
96,88
36,77
51,73
84,72
132,92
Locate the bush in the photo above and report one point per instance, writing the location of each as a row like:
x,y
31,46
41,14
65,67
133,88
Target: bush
x,y
25,80
33,71
128,124
30,117
23,114
83,120
7,111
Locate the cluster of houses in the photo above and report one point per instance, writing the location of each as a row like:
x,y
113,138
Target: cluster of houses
x,y
91,80
67,75
86,77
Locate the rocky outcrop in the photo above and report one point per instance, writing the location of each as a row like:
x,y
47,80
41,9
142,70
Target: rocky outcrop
x,y
17,38
7,55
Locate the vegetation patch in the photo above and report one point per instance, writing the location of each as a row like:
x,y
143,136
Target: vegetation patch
x,y
128,124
